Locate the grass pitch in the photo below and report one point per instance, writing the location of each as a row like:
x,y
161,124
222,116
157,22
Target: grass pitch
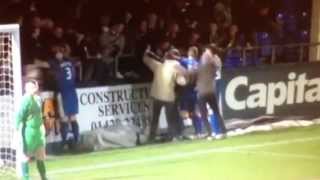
x,y
291,154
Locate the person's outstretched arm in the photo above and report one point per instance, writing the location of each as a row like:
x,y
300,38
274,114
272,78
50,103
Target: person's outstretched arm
x,y
149,61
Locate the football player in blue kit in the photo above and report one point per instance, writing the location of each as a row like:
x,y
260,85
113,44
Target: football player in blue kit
x,y
65,74
188,99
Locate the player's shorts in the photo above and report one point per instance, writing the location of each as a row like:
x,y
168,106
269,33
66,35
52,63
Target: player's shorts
x,y
70,102
188,99
33,139
188,103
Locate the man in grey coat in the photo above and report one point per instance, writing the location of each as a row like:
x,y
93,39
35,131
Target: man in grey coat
x,y
209,65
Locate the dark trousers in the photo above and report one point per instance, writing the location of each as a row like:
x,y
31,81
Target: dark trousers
x,y
171,116
212,101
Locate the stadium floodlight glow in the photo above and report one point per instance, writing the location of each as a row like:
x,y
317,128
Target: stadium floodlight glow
x,y
10,96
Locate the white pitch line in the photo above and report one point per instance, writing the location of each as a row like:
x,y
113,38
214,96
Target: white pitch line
x,y
181,155
275,154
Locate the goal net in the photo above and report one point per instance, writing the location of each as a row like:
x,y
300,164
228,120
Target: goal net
x,y
10,95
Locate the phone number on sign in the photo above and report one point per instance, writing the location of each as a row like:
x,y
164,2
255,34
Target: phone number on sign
x,y
139,121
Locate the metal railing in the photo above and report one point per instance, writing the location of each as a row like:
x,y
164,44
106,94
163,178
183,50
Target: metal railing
x,y
274,56
301,48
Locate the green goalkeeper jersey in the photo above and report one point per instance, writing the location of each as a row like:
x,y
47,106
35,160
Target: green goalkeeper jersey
x,y
30,122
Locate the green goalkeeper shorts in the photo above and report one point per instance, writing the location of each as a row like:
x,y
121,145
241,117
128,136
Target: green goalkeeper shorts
x,y
33,139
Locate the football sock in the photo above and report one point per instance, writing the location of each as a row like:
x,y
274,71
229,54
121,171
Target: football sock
x,y
25,171
197,124
64,132
75,130
42,170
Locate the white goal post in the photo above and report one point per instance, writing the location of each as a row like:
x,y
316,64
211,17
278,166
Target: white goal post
x,y
10,96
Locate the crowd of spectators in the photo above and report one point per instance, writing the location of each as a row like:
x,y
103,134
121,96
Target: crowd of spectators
x,y
97,32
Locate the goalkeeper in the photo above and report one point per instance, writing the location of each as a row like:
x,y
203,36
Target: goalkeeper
x,y
30,123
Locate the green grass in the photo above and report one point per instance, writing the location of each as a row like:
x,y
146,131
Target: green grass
x,y
292,154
